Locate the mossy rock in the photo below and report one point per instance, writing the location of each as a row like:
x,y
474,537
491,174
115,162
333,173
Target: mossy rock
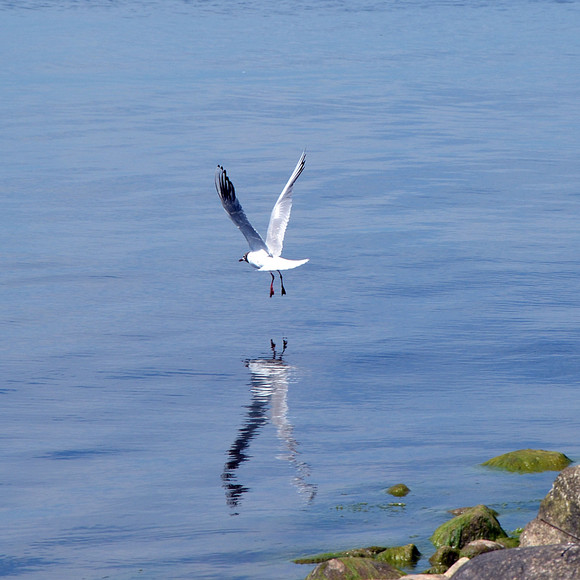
x,y
509,542
354,569
369,552
462,510
400,556
476,523
529,461
398,490
444,558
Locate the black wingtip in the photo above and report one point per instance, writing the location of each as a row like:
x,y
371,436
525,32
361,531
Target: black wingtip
x,y
225,186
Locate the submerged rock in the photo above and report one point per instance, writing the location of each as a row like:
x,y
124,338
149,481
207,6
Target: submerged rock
x,y
558,520
398,490
529,461
476,523
354,569
555,562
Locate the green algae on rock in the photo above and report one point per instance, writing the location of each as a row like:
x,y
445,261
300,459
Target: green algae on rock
x,y
354,569
462,510
400,556
444,557
529,461
369,552
476,523
509,542
398,490
365,507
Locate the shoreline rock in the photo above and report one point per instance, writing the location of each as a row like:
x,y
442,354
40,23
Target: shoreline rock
x,y
476,523
550,562
558,519
550,546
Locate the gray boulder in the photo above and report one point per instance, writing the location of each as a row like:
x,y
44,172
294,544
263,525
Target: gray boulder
x,y
555,562
558,520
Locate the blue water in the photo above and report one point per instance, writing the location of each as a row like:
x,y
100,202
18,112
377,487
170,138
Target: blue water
x,y
147,428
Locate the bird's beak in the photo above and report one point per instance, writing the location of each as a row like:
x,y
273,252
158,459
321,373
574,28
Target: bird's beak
x,y
241,260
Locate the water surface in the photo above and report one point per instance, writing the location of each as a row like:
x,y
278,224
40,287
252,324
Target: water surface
x,y
148,429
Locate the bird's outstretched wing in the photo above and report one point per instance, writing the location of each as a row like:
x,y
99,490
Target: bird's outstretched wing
x,y
227,193
281,212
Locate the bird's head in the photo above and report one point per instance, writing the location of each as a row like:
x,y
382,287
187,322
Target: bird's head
x,y
244,258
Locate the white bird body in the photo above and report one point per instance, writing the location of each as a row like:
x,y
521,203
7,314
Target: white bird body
x,y
265,256
266,263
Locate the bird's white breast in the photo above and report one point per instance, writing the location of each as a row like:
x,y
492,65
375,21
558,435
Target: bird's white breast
x,y
259,259
263,261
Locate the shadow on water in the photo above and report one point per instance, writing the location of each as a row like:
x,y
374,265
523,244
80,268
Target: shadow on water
x,y
269,378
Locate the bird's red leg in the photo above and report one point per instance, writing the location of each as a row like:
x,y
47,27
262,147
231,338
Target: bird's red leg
x,y
282,283
272,285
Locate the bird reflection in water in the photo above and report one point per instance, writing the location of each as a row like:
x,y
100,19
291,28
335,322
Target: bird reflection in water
x,y
269,388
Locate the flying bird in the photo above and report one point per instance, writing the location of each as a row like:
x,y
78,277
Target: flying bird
x,y
265,256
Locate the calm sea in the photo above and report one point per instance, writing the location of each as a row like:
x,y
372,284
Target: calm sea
x,y
148,430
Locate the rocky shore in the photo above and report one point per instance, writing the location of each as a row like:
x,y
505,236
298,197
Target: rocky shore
x,y
473,545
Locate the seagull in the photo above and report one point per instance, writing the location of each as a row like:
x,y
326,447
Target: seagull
x,y
265,256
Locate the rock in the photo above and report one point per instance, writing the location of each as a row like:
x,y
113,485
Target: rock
x,y
476,523
400,556
480,547
444,557
509,542
529,461
539,533
455,567
462,510
354,569
369,552
399,490
426,577
555,562
558,520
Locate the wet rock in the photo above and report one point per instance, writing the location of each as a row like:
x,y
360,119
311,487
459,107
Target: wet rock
x,y
462,510
354,569
478,547
558,520
400,556
444,557
555,562
476,523
369,552
529,461
399,490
